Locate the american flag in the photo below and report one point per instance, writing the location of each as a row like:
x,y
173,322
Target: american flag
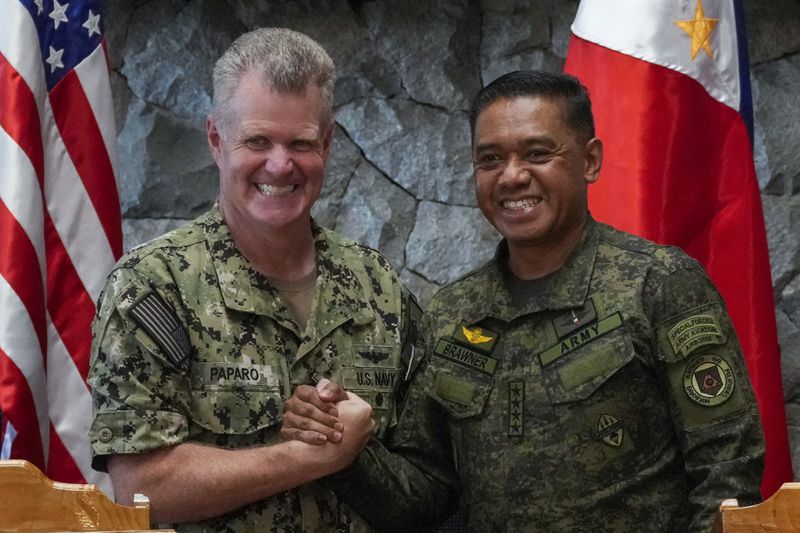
x,y
60,230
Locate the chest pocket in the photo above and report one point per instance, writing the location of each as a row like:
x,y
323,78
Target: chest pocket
x,y
234,399
461,391
578,374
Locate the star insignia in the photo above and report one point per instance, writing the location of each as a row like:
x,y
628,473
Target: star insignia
x,y
92,24
699,29
54,59
59,13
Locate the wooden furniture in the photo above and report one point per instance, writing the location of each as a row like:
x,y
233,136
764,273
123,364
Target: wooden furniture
x,y
780,513
31,502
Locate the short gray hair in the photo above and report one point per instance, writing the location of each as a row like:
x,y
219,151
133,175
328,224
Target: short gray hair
x,y
286,60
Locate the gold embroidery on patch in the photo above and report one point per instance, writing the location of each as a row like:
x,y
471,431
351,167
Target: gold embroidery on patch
x,y
475,335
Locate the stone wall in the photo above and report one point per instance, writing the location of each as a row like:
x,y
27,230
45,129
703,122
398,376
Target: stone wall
x,y
399,178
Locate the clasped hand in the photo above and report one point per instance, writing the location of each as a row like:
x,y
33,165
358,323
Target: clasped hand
x,y
328,416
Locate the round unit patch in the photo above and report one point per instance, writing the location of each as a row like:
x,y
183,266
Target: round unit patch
x,y
708,380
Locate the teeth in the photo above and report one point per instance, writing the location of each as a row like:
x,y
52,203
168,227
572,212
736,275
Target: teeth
x,y
525,203
274,190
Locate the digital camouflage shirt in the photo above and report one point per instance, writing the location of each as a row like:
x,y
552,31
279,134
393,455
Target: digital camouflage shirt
x,y
617,399
192,344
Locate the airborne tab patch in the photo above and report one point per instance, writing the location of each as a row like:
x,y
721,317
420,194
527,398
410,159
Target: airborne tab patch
x,y
475,337
161,323
465,357
694,332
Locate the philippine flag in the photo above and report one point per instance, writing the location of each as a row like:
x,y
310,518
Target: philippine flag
x,y
669,82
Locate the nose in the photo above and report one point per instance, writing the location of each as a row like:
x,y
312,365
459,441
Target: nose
x,y
516,173
279,162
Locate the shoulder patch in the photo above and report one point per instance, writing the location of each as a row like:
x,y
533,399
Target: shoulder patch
x,y
695,331
708,380
158,319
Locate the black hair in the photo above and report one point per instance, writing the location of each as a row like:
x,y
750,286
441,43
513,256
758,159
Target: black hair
x,y
537,83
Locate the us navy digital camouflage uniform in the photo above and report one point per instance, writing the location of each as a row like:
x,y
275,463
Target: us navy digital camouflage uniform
x,y
616,400
192,344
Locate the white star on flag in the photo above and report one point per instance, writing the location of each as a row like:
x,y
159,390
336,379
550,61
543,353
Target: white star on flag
x,y
59,14
54,59
39,6
92,24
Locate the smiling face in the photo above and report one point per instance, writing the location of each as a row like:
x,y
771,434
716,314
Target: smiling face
x,y
271,153
532,171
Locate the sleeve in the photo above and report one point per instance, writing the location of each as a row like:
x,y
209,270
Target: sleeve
x,y
140,390
408,481
711,401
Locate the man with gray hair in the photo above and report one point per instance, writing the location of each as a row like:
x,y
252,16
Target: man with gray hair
x,y
202,333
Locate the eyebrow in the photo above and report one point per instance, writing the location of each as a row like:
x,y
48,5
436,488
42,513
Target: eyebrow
x,y
542,139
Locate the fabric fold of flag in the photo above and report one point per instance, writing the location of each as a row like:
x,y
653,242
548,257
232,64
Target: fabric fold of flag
x,y
60,230
669,83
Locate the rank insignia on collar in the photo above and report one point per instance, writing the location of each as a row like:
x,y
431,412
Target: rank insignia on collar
x,y
573,319
476,337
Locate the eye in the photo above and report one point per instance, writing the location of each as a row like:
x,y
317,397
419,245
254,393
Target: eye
x,y
487,161
537,154
302,145
257,143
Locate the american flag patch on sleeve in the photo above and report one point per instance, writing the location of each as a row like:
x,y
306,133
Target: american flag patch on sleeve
x,y
158,319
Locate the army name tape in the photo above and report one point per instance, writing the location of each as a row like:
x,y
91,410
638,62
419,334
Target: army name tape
x,y
708,380
465,357
580,338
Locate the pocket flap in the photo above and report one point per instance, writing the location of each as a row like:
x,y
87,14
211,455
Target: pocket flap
x,y
578,375
239,410
462,394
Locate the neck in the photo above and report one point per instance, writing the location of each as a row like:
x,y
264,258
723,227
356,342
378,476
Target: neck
x,y
534,261
287,254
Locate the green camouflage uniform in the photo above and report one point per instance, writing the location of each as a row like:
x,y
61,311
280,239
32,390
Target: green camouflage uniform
x,y
191,344
616,400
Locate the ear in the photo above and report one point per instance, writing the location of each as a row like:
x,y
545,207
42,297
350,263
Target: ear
x,y
594,160
213,137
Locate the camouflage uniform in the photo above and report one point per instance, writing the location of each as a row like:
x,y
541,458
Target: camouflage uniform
x,y
617,399
191,344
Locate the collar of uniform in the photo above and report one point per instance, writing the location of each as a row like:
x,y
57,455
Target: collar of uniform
x,y
566,289
245,289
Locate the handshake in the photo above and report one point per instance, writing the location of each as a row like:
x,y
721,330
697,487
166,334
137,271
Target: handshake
x,y
336,423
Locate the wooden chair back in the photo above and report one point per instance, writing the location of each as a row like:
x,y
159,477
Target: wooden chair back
x,y
31,502
781,512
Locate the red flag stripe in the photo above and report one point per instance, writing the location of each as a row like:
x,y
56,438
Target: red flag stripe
x,y
61,464
81,136
71,309
18,342
67,394
17,404
19,265
19,116
93,75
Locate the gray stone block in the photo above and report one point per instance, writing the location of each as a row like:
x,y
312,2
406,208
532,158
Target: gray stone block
x,y
424,149
448,241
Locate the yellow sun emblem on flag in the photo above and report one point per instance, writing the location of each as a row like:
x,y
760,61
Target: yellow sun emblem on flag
x,y
699,29
475,335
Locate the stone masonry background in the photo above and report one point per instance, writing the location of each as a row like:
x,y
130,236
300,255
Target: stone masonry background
x,y
399,178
